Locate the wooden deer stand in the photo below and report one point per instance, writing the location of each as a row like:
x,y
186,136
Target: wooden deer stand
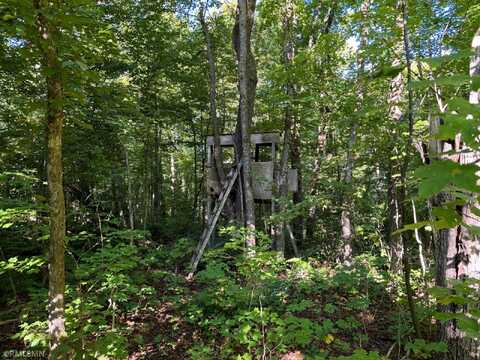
x,y
264,162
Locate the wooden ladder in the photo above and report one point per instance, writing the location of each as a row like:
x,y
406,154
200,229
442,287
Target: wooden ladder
x,y
213,219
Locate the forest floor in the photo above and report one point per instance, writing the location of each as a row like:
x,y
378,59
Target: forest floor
x,y
166,335
162,330
353,313
235,307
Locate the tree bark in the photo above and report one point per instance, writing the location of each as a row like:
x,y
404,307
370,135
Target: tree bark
x,y
116,204
459,250
418,239
247,79
55,117
146,184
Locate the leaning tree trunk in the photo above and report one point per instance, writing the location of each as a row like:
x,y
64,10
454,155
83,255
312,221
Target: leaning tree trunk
x,y
247,82
55,117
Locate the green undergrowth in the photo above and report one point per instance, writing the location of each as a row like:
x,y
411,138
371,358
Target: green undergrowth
x,y
266,306
128,296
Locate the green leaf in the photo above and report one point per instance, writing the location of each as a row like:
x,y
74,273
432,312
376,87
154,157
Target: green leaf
x,y
437,61
415,226
442,173
444,316
454,299
469,325
439,292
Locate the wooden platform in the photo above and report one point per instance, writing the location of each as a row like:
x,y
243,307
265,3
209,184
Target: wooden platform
x,y
255,139
262,178
264,155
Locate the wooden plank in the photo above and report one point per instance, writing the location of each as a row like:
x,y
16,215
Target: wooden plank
x,y
293,241
225,140
262,177
264,138
256,138
207,232
213,185
262,180
209,155
292,180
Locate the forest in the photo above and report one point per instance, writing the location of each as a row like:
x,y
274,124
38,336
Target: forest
x,y
240,179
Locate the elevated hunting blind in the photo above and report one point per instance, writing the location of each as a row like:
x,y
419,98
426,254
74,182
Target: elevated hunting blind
x,y
264,150
264,164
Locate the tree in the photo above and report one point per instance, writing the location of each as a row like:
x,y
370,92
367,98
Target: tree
x,y
287,58
212,75
247,80
397,88
459,255
346,219
48,35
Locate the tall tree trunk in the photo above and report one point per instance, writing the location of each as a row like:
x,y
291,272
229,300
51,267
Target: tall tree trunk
x,y
247,82
212,75
131,222
418,239
394,241
320,150
321,138
215,121
118,196
402,194
173,185
346,214
397,87
459,250
55,117
195,176
346,220
287,59
146,183
296,155
158,205
116,205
